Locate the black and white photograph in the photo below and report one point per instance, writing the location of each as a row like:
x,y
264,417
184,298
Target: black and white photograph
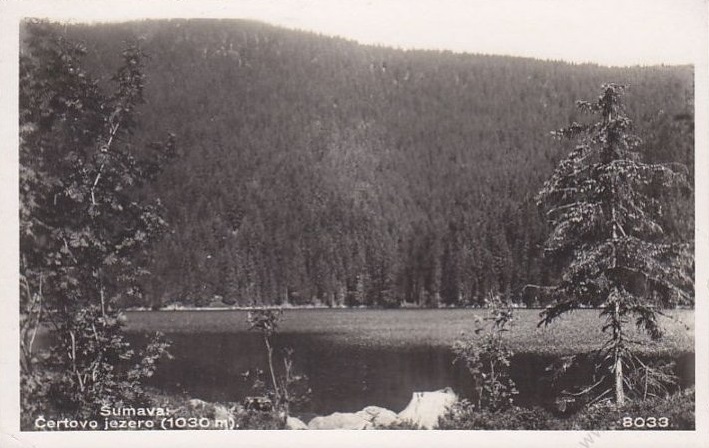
x,y
277,223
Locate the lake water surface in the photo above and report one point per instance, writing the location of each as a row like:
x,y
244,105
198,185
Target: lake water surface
x,y
356,358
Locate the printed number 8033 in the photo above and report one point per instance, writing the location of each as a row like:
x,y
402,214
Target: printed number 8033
x,y
646,422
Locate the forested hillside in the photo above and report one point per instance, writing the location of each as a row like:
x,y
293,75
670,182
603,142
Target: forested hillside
x,y
313,169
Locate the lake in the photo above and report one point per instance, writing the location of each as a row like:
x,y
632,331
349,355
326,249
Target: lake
x,y
355,358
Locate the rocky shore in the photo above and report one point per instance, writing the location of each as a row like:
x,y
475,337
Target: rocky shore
x,y
423,411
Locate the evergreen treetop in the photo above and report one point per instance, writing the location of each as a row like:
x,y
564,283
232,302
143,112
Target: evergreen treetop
x,y
603,208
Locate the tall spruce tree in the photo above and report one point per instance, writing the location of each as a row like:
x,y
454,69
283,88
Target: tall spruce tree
x,y
602,204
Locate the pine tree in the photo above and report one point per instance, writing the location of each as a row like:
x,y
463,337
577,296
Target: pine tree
x,y
602,206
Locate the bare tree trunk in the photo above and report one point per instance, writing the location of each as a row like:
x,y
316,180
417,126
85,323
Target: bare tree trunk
x,y
73,361
618,358
29,324
103,303
288,368
619,391
269,351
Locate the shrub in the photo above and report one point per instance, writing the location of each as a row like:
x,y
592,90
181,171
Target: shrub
x,y
464,416
286,391
401,425
488,361
259,420
182,406
678,408
104,370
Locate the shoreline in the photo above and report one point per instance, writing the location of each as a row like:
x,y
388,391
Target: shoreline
x,y
325,307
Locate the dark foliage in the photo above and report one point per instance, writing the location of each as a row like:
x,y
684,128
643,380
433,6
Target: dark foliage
x,y
85,228
678,408
259,420
464,416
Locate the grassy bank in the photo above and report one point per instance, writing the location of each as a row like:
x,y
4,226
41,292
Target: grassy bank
x,y
674,412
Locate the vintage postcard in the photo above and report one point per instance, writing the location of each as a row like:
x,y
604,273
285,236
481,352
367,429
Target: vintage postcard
x,y
362,223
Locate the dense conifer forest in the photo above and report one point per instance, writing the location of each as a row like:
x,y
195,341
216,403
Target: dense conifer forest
x,y
314,170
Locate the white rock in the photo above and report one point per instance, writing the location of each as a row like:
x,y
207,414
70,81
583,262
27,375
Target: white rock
x,y
197,404
339,420
221,412
295,423
378,416
425,408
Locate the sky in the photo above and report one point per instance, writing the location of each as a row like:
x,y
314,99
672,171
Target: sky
x,y
607,32
621,32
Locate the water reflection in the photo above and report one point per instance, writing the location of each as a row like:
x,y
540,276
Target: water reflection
x,y
342,377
